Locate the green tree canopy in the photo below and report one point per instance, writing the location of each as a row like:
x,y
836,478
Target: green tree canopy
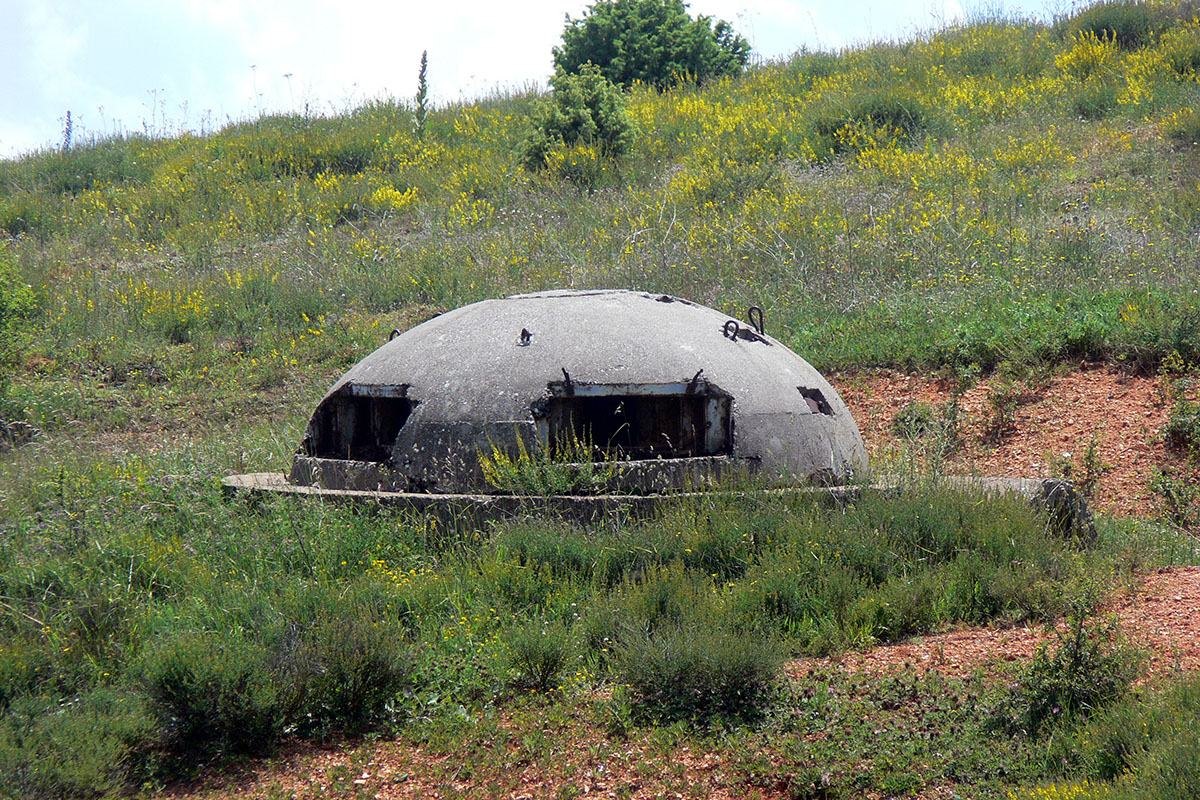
x,y
654,41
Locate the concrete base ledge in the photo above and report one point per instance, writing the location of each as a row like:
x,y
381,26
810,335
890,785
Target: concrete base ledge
x,y
1066,510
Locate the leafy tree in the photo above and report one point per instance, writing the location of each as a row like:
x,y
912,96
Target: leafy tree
x,y
654,41
584,108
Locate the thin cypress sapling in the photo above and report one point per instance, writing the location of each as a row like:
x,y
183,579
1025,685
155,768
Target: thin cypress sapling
x,y
422,94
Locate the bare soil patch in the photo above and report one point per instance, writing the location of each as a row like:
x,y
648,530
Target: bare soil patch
x,y
1162,617
1125,412
575,760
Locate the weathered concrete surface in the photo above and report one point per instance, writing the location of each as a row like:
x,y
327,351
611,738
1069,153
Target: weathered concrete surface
x,y
487,373
1065,510
698,394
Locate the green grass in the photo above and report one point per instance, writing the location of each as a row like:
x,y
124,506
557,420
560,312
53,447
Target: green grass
x,y
976,195
172,623
1000,193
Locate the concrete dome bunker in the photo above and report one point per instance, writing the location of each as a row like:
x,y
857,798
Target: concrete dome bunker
x,y
676,391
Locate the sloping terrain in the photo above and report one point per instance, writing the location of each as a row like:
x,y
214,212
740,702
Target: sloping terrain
x,y
575,759
1160,614
1052,424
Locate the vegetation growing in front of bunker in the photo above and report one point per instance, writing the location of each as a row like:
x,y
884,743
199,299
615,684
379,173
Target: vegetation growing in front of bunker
x,y
570,466
148,620
996,193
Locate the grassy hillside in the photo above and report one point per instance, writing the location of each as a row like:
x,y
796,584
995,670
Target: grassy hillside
x,y
991,192
1003,192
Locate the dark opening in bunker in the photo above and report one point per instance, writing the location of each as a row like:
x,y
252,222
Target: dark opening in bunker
x,y
638,421
817,403
359,423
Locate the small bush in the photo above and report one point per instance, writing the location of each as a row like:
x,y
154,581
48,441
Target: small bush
x,y
1089,668
1180,497
936,428
1184,129
664,596
214,694
1004,398
584,108
1182,431
1129,24
1182,48
340,675
806,600
916,420
886,114
1095,102
693,670
537,653
97,745
1092,58
1085,470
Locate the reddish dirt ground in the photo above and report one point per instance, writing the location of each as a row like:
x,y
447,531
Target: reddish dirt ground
x,y
1125,413
1162,615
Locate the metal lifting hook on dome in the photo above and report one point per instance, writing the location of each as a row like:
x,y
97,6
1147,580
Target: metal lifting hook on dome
x,y
759,325
731,329
395,332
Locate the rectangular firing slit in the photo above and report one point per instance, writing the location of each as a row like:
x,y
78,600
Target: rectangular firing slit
x,y
688,419
359,423
817,404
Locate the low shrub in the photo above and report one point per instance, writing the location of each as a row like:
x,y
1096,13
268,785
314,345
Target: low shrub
x,y
536,654
1182,431
1182,48
341,675
1184,130
889,113
214,694
1084,470
1095,101
1004,398
1179,495
915,420
698,671
96,745
583,108
1129,24
1088,667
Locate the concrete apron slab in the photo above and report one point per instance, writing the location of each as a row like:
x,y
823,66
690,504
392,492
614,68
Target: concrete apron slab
x,y
1066,510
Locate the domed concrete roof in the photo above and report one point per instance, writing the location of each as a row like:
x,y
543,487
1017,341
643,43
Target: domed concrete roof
x,y
654,379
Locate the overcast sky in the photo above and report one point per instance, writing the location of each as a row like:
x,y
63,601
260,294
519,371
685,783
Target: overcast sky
x,y
163,66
